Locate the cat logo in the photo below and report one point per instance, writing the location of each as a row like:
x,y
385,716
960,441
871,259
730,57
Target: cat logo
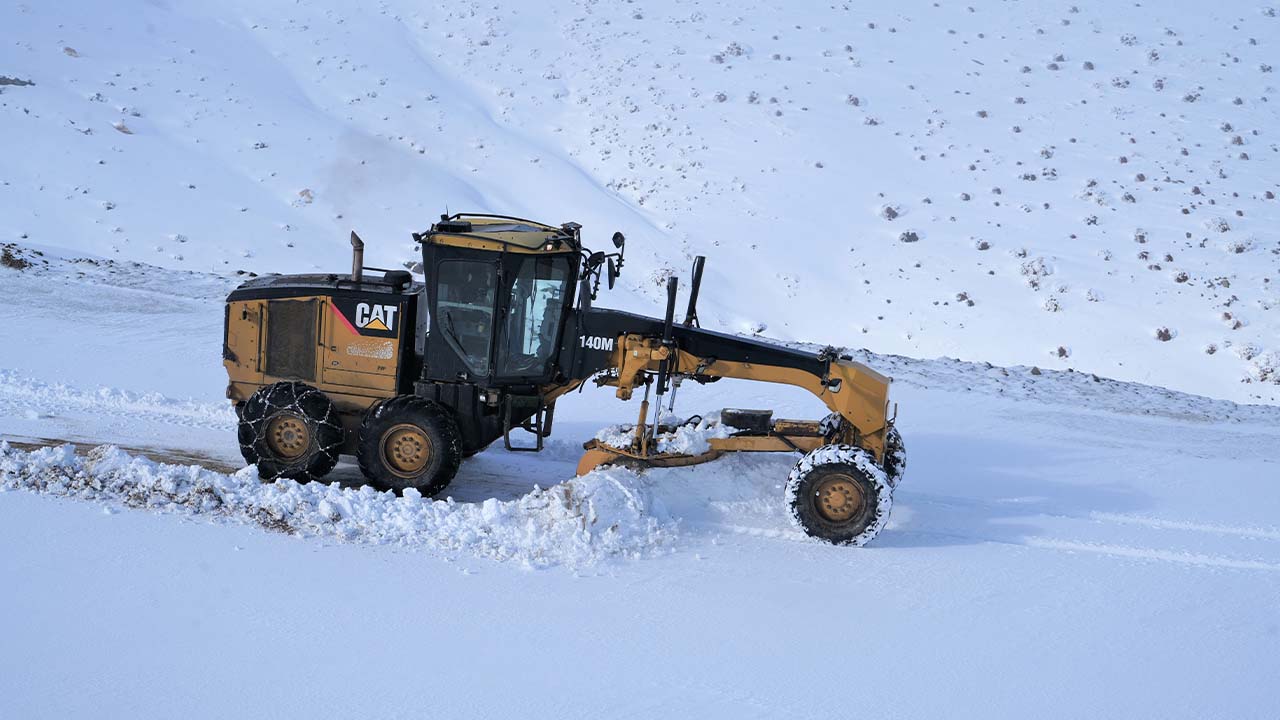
x,y
376,317
366,318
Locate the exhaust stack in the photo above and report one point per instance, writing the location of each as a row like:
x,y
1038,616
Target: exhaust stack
x,y
357,257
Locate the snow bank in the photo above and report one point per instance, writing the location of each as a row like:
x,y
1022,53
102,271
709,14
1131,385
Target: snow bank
x,y
608,513
685,439
26,395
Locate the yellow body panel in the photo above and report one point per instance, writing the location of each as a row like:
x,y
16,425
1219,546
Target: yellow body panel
x,y
352,369
857,392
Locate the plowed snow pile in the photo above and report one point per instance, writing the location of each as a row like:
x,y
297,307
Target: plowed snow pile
x,y
606,513
690,437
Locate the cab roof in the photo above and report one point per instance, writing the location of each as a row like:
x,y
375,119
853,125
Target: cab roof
x,y
497,232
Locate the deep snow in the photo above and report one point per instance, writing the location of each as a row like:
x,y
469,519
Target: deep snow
x,y
1001,182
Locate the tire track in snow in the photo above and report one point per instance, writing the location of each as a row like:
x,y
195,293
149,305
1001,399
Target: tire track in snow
x,y
1146,521
1107,549
1247,531
1138,553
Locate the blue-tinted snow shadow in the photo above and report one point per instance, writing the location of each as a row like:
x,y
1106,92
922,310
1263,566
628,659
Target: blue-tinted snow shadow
x,y
960,492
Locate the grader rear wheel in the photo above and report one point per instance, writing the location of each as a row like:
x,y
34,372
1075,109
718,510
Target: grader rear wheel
x,y
291,430
287,435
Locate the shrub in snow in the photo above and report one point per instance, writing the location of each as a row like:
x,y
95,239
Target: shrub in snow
x,y
659,277
889,212
909,236
1246,351
1238,246
1266,368
1217,224
13,260
1164,334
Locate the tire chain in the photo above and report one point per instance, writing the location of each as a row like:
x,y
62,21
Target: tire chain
x,y
298,393
831,428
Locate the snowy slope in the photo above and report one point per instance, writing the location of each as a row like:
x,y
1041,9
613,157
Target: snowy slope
x,y
1062,545
1019,183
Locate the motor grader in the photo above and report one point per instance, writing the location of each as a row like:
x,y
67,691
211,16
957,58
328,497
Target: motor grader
x,y
411,378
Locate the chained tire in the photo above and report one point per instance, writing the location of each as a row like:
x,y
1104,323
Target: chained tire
x,y
290,430
409,442
832,426
839,494
895,457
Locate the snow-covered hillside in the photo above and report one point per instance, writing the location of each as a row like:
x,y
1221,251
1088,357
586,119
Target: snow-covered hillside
x,y
1088,185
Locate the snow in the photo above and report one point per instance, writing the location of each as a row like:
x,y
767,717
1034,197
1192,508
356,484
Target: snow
x,y
689,436
604,514
1088,526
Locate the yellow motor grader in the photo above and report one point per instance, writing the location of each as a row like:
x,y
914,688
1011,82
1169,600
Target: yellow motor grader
x,y
411,378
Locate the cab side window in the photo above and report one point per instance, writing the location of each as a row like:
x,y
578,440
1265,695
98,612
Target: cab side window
x,y
465,296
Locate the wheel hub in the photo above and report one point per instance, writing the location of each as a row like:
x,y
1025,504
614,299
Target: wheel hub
x,y
288,436
839,498
406,449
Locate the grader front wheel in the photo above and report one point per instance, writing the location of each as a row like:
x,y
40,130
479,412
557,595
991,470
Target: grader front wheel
x,y
839,494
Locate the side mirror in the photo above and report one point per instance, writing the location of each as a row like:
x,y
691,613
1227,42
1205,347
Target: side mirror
x,y
613,273
619,240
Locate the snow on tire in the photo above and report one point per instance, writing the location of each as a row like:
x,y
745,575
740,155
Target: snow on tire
x,y
839,494
895,456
